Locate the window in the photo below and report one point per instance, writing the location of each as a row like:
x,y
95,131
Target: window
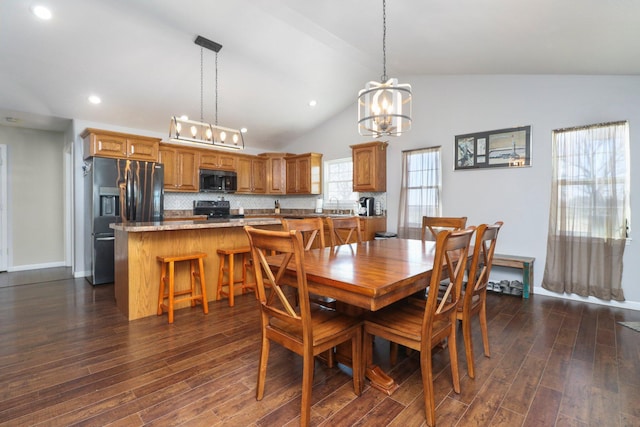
x,y
589,213
420,193
338,184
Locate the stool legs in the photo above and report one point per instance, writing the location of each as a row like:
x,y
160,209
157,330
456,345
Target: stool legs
x,y
229,268
168,280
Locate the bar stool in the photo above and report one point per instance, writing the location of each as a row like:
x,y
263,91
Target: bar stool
x,y
227,257
196,272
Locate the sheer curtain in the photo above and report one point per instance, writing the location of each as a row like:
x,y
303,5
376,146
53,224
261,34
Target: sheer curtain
x,y
588,221
420,191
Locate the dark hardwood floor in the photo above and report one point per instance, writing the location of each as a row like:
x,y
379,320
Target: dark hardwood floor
x,y
68,357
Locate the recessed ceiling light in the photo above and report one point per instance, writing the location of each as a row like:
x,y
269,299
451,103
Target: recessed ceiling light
x,y
41,12
313,103
243,130
94,99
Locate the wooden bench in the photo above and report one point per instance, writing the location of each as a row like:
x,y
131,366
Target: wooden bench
x,y
525,263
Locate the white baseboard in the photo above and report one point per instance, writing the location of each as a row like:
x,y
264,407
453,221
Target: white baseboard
x,y
36,266
630,305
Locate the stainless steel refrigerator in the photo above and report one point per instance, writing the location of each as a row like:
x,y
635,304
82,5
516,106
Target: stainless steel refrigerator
x,y
120,191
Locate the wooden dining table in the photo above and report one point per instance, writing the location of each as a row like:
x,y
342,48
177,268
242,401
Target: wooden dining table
x,y
367,276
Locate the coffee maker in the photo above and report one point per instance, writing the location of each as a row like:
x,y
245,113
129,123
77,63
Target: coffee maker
x,y
367,206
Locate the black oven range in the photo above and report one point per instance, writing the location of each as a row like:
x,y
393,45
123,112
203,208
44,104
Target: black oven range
x,y
215,210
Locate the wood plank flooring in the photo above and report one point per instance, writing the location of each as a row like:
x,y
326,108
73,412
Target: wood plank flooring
x,y
68,357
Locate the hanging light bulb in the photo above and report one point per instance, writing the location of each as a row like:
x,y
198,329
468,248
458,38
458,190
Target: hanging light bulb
x,y
384,108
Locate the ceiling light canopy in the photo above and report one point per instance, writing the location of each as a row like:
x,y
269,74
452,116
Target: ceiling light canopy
x,y
183,129
384,108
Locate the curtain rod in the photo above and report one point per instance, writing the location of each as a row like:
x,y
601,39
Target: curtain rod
x,y
595,125
424,148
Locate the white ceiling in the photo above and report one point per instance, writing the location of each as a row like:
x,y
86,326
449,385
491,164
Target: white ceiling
x,y
139,55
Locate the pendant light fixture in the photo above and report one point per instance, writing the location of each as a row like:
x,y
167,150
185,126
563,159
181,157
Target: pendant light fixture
x,y
183,129
384,108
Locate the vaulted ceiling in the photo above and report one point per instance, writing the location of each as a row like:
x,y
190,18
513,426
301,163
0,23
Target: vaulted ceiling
x,y
277,55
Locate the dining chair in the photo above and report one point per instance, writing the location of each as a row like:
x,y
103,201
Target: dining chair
x,y
423,327
344,230
473,298
299,328
312,230
431,225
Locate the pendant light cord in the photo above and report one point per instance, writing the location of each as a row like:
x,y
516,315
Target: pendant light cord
x,y
216,122
201,85
384,41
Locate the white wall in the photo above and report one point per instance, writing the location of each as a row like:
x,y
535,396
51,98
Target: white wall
x,y
445,106
36,197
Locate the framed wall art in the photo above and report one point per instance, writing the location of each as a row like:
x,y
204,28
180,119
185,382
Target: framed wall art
x,y
509,147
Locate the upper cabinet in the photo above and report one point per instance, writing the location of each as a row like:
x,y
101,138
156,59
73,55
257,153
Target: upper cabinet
x,y
180,168
117,145
218,160
370,166
304,174
252,175
276,168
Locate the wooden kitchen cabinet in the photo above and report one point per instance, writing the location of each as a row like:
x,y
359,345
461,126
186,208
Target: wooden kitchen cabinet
x,y
304,174
370,166
251,175
180,168
276,172
103,143
218,160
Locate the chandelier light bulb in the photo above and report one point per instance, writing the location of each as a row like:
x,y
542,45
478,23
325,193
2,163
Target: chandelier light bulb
x,y
235,138
223,136
209,134
194,131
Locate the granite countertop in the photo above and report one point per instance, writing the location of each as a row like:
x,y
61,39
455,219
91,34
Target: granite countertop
x,y
192,225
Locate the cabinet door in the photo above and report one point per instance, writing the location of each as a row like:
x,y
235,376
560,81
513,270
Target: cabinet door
x,y
292,179
276,175
370,166
187,167
108,146
244,175
209,159
259,176
167,156
138,149
227,161
303,166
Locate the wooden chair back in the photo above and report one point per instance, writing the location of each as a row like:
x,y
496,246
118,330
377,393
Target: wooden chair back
x,y
474,299
431,225
344,230
483,249
452,250
311,229
280,303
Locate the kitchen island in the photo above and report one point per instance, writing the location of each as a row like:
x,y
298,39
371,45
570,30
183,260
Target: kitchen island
x,y
137,272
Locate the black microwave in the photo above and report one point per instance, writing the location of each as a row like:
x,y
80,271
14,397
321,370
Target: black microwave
x,y
213,181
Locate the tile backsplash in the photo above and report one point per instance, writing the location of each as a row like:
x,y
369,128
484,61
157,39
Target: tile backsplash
x,y
184,201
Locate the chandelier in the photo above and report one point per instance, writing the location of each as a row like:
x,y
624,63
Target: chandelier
x,y
384,108
183,129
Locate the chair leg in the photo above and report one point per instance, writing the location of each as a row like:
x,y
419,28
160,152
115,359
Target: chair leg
x,y
483,327
220,276
427,385
231,280
357,366
163,278
171,289
192,274
308,362
203,286
468,346
262,368
453,355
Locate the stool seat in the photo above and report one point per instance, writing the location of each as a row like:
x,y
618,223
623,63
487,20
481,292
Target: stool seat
x,y
227,256
196,267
